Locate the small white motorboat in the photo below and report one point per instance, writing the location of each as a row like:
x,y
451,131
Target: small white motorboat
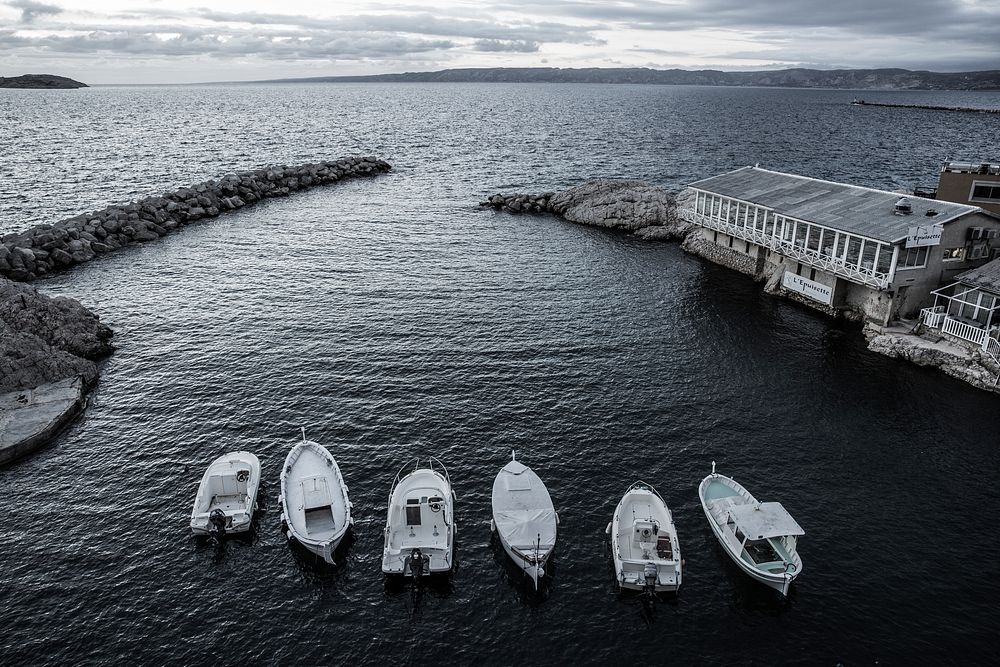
x,y
420,526
227,495
315,507
644,543
524,518
759,537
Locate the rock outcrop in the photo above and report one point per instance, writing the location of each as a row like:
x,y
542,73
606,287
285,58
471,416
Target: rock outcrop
x,y
627,205
969,365
44,81
47,248
44,339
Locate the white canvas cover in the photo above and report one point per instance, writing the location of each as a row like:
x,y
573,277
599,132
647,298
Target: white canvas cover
x,y
522,508
765,520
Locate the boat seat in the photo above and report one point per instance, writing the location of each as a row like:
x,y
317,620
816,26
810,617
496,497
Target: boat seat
x,y
664,547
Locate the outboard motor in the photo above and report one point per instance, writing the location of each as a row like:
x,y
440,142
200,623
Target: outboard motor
x,y
649,573
416,563
218,520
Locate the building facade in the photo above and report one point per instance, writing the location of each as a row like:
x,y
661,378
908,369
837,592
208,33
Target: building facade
x,y
968,183
842,248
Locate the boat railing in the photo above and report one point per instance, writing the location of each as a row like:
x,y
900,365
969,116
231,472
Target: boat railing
x,y
649,487
406,469
433,460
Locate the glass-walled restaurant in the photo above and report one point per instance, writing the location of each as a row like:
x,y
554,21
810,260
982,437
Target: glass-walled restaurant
x,y
857,258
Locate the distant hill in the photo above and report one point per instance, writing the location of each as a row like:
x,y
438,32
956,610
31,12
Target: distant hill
x,y
39,81
885,79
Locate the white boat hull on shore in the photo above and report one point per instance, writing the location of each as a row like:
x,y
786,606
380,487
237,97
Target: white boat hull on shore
x,y
760,538
315,507
227,496
524,518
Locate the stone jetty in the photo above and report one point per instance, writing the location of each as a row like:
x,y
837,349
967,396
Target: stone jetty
x,y
46,248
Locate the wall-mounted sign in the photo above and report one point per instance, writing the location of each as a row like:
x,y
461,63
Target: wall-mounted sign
x,y
923,235
810,288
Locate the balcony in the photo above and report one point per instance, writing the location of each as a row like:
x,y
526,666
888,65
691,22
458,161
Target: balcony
x,y
862,273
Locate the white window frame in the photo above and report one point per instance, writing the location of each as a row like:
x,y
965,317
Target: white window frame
x,y
985,200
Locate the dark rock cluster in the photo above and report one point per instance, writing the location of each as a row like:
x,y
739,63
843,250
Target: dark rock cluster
x,y
47,248
43,339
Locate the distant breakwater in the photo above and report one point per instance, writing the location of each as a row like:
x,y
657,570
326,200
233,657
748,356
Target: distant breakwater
x,y
45,248
926,107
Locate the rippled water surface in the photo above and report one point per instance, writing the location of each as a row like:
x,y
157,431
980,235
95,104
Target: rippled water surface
x,y
391,317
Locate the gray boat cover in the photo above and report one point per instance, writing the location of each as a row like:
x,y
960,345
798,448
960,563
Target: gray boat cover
x,y
522,508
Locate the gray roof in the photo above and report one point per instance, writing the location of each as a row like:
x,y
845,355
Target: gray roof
x,y
851,208
765,520
986,277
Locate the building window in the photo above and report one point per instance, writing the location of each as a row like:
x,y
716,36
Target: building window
x,y
912,258
985,192
954,254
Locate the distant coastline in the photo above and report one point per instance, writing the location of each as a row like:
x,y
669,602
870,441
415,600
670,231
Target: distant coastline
x,y
43,81
847,79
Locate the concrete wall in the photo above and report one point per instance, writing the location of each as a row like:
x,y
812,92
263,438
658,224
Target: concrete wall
x,y
957,187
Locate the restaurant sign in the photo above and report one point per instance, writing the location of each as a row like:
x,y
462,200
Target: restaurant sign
x,y
810,288
923,235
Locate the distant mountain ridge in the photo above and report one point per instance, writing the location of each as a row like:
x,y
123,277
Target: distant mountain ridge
x,y
39,81
883,79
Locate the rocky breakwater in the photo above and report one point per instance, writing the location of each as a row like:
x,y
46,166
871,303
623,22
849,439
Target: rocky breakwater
x,y
634,206
49,348
47,248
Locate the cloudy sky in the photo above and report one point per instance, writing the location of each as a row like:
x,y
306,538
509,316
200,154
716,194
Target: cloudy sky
x,y
100,41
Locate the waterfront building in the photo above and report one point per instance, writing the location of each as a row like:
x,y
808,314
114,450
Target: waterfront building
x,y
866,253
976,183
967,310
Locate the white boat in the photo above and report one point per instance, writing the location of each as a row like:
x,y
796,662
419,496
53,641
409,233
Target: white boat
x,y
420,526
227,495
644,543
759,537
314,504
524,518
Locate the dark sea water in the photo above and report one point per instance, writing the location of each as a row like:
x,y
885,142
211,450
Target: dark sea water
x,y
392,317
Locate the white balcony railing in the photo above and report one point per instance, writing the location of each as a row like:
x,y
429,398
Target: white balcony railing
x,y
932,318
963,330
835,265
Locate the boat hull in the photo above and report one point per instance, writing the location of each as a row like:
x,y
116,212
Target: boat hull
x,y
223,488
315,506
524,518
777,581
646,552
419,535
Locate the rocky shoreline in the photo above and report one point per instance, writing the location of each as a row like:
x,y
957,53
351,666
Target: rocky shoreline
x,y
50,346
44,249
650,213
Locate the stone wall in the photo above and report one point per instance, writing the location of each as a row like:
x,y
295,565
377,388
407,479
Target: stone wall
x,y
696,244
47,248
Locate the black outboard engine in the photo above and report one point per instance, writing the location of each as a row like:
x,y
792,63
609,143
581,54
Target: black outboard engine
x,y
649,573
416,563
218,520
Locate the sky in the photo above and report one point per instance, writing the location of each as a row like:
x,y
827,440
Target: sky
x,y
182,41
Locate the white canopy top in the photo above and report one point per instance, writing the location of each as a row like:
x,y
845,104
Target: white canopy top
x,y
522,508
764,520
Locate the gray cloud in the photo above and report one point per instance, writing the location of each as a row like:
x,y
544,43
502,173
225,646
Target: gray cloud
x,y
30,9
508,46
194,43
